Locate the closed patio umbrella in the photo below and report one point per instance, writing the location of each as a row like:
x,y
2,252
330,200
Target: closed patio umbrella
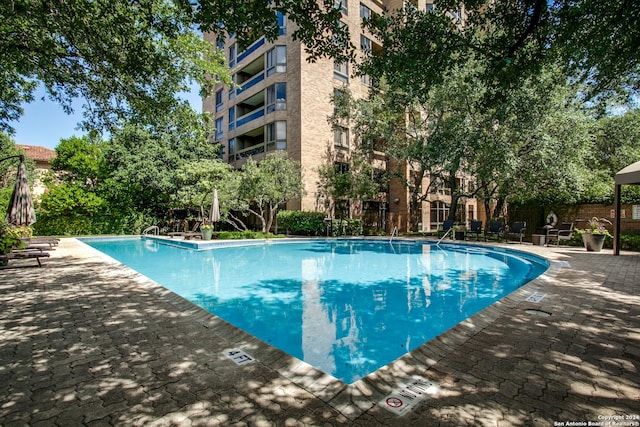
x,y
21,211
214,214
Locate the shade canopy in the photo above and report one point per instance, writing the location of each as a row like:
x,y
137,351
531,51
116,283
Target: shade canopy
x,y
21,211
214,214
629,175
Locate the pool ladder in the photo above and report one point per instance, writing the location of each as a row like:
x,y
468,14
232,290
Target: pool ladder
x,y
153,229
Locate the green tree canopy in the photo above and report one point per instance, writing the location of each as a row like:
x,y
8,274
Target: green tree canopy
x,y
513,40
128,60
266,185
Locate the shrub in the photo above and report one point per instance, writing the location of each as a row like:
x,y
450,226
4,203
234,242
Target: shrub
x,y
302,223
238,235
346,227
11,237
630,242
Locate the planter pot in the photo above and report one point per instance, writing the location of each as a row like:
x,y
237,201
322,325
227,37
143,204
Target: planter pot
x,y
206,233
593,242
459,235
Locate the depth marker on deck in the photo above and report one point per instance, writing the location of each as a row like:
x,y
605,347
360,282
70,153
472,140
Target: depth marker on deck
x,y
402,399
536,297
238,356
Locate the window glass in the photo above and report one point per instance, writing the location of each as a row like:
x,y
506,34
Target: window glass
x,y
219,104
342,5
439,213
365,12
282,23
341,138
219,131
365,43
276,60
232,118
341,71
232,55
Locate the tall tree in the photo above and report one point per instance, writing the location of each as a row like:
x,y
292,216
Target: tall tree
x,y
267,185
512,40
128,60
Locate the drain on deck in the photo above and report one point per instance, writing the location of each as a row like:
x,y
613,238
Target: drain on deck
x,y
539,313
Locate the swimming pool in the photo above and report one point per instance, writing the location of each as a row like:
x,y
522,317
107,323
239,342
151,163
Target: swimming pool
x,y
347,307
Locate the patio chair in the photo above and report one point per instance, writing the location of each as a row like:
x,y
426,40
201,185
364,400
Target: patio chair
x,y
495,228
195,232
518,229
475,228
446,227
564,232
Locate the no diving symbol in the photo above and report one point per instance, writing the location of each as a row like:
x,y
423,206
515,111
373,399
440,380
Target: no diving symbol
x,y
394,402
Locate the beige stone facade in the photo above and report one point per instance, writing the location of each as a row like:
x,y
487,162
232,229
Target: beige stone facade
x,y
285,104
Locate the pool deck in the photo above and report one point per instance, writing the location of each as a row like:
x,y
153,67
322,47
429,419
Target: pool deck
x,y
86,341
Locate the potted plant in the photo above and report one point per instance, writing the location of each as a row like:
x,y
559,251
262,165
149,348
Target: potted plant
x,y
207,231
11,238
595,233
459,231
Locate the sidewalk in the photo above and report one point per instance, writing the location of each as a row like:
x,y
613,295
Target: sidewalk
x,y
86,341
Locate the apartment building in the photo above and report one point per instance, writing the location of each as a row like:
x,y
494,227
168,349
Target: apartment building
x,y
283,102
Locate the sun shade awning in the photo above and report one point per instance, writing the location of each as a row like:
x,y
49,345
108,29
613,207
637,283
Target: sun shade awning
x,y
629,175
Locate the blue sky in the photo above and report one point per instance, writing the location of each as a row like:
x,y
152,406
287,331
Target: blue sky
x,y
44,122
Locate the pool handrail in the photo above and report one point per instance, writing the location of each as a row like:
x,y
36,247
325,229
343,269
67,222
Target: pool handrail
x,y
445,235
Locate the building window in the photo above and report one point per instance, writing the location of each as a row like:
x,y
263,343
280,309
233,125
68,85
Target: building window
x,y
232,118
439,213
365,79
337,95
276,59
276,136
232,89
365,12
471,213
365,43
277,97
456,15
341,71
341,138
219,130
282,23
342,5
220,43
232,55
430,7
219,104
232,147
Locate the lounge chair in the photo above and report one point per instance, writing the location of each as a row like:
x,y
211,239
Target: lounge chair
x,y
446,227
475,228
195,232
495,228
49,242
518,229
564,232
25,255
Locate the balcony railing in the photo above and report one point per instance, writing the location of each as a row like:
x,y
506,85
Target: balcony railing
x,y
249,83
255,46
249,117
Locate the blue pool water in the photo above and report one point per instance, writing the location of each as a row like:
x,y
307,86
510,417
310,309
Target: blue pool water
x,y
347,307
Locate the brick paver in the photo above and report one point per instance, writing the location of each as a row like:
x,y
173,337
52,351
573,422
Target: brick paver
x,y
86,341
